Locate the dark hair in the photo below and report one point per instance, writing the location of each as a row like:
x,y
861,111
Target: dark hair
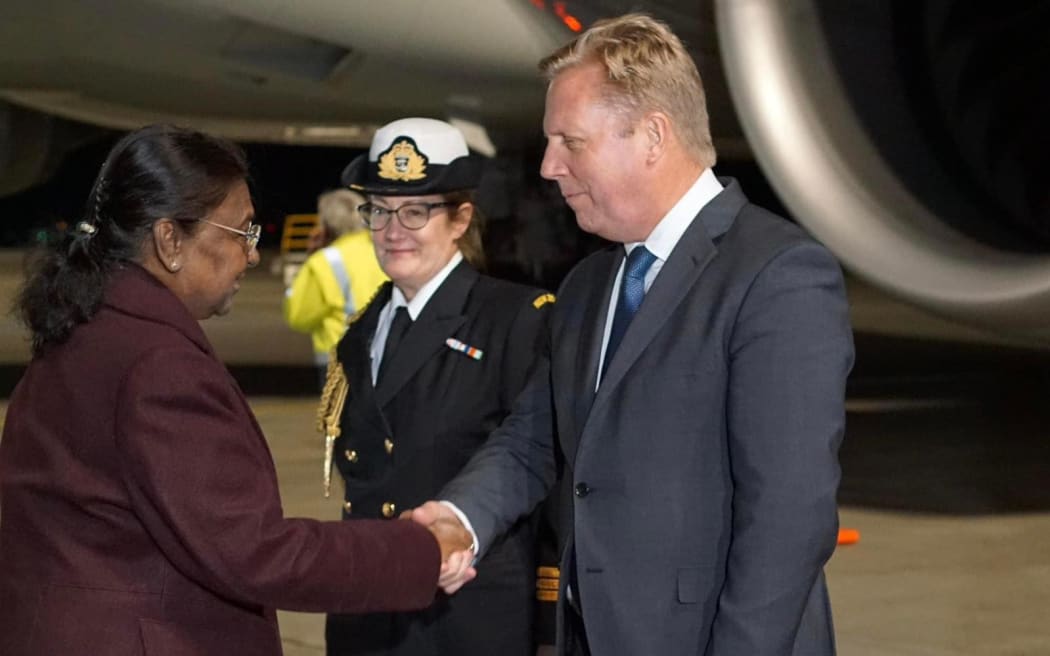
x,y
156,172
470,242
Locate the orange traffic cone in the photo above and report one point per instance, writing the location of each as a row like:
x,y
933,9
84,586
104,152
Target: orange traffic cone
x,y
848,536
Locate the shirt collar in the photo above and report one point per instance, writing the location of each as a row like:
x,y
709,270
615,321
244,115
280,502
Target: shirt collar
x,y
419,301
672,226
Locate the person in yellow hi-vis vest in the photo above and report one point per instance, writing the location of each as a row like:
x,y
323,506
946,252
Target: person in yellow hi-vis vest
x,y
336,280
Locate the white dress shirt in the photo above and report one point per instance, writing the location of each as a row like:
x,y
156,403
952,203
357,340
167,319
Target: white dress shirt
x,y
415,307
661,241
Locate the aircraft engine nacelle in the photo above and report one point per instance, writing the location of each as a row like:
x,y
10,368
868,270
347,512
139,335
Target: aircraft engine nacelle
x,y
910,137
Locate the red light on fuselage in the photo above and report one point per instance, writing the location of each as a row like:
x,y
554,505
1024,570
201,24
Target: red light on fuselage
x,y
572,23
539,4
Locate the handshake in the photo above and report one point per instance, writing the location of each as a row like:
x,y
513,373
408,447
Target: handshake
x,y
457,544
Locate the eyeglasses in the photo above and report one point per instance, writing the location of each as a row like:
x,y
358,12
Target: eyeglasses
x,y
412,216
251,235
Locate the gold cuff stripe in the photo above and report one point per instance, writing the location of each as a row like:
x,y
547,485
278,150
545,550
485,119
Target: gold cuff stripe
x,y
546,584
547,595
548,572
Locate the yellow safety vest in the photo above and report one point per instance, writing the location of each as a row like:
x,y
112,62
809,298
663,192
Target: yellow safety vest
x,y
333,284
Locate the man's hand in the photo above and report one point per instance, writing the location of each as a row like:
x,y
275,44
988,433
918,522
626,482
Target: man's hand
x,y
451,536
456,544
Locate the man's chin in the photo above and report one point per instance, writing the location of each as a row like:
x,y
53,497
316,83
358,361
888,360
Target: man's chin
x,y
586,223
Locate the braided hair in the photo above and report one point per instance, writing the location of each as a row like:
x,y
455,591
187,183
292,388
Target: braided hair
x,y
154,172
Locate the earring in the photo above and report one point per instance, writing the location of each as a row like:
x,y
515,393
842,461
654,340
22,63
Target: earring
x,y
174,267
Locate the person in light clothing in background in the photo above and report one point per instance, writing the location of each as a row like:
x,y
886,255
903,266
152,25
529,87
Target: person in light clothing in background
x,y
336,280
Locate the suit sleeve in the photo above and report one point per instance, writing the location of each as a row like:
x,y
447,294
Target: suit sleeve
x,y
514,470
790,352
202,481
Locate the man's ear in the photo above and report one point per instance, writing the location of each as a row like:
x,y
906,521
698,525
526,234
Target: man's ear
x,y
657,134
167,244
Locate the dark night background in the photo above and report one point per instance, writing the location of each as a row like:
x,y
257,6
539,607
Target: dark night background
x,y
286,180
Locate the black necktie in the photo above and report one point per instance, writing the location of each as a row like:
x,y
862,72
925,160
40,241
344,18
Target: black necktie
x,y
632,291
398,327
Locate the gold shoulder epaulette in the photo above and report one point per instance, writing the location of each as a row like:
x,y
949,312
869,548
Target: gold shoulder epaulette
x,y
333,398
542,300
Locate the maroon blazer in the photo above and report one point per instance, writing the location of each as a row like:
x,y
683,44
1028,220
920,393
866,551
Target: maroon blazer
x,y
140,510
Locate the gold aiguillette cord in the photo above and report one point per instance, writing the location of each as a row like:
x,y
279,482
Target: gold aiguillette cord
x,y
332,400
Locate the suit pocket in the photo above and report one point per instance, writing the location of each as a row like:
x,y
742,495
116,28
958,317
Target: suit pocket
x,y
74,619
694,583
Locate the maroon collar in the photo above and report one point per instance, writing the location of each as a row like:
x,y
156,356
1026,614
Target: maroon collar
x,y
134,291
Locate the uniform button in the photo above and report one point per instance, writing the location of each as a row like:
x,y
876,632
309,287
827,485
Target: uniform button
x,y
351,455
347,506
582,490
389,509
388,444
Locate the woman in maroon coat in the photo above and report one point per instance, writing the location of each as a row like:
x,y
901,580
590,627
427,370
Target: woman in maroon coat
x,y
140,511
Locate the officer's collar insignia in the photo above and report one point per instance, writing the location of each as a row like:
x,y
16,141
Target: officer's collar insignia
x,y
402,161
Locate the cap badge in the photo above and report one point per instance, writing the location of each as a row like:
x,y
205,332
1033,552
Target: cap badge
x,y
402,162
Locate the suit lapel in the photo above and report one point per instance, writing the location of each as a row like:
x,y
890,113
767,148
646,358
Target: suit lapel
x,y
592,330
441,317
354,353
679,275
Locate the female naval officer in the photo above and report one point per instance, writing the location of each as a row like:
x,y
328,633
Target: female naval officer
x,y
431,367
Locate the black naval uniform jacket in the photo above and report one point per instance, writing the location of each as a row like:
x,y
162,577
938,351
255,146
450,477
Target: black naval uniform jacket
x,y
401,442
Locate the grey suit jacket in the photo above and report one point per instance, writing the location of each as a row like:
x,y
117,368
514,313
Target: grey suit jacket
x,y
699,481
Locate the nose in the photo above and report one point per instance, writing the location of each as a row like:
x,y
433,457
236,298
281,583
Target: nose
x,y
551,167
393,229
253,258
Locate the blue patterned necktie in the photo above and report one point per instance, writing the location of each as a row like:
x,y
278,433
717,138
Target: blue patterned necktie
x,y
632,291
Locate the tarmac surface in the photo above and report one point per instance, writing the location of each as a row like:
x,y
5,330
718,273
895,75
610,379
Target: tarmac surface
x,y
946,472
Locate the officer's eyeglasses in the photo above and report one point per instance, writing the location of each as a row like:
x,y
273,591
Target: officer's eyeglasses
x,y
251,235
411,216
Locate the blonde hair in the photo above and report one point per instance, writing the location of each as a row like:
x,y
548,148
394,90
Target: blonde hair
x,y
647,69
337,212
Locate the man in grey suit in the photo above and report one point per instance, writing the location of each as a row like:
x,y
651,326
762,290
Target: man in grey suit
x,y
693,399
